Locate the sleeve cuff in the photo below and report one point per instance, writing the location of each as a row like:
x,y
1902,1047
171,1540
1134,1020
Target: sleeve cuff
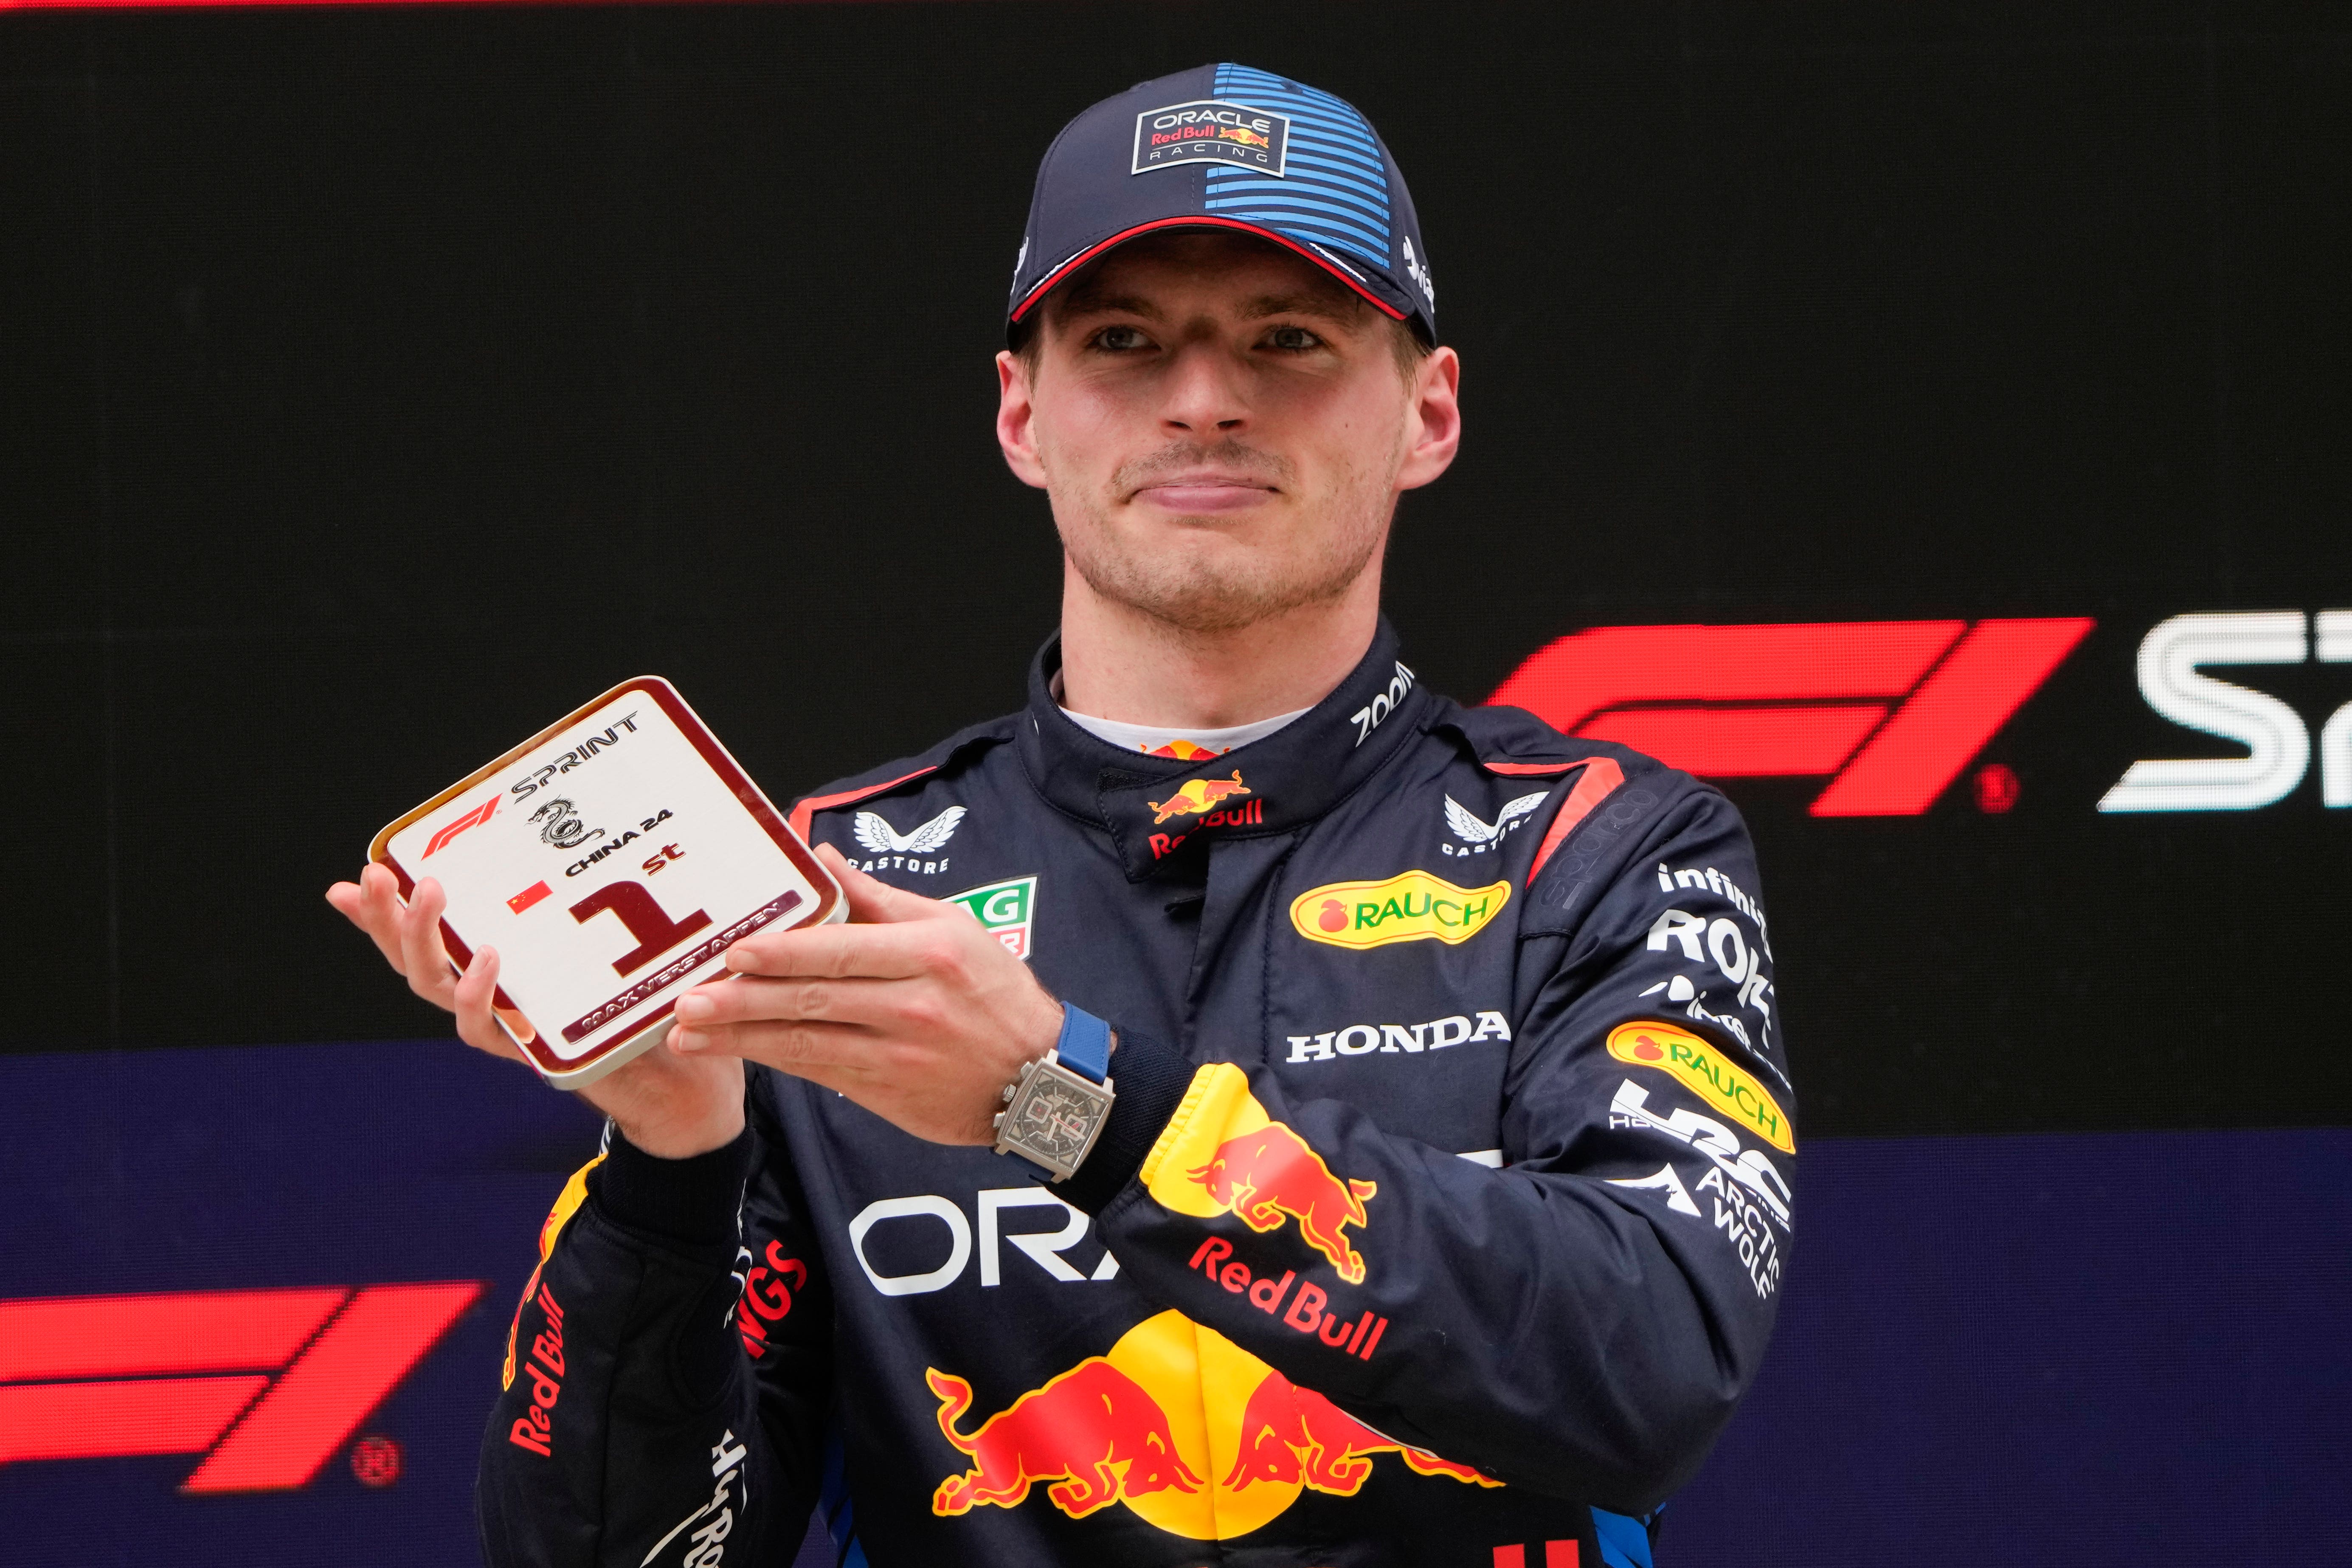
x,y
1149,1080
691,1202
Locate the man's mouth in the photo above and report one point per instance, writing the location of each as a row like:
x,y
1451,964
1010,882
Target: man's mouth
x,y
1205,491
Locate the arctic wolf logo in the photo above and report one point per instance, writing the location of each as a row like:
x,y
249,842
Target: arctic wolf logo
x,y
878,837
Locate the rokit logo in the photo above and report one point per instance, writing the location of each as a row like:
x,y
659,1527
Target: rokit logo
x,y
2278,746
267,1384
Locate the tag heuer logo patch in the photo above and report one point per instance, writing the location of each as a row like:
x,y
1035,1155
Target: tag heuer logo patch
x,y
1210,131
1006,909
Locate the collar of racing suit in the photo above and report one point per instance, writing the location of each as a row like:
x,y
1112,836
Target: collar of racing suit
x,y
1152,807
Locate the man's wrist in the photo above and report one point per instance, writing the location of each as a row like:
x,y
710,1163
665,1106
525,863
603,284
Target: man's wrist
x,y
1151,1080
689,1202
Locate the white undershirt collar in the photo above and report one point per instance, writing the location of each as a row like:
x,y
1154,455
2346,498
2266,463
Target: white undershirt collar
x,y
1162,740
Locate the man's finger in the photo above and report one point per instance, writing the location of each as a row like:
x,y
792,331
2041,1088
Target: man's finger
x,y
349,900
873,902
472,998
893,952
862,1003
372,904
424,959
794,1047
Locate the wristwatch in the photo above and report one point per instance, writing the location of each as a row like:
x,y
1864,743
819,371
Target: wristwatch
x,y
1057,1109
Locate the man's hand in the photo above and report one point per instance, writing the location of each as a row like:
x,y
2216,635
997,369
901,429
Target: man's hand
x,y
913,1011
668,1106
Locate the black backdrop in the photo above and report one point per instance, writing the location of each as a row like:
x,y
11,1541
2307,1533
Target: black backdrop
x,y
380,385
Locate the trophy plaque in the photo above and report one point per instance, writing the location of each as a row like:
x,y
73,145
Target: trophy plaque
x,y
611,860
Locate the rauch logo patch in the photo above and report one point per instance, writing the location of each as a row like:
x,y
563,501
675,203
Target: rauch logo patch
x,y
1722,1084
1402,907
1210,131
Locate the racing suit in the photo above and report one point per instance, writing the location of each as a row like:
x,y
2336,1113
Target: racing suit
x,y
1440,1217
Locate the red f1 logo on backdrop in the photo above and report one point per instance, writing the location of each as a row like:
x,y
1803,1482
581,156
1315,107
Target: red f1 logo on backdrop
x,y
1892,709
267,1384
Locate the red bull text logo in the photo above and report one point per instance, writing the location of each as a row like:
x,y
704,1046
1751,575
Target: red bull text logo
x,y
1358,1337
1246,814
1186,1430
535,1428
1195,796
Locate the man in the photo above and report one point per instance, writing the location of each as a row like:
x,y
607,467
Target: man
x,y
1436,1208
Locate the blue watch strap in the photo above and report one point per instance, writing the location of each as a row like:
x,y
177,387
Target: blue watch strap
x,y
1084,1045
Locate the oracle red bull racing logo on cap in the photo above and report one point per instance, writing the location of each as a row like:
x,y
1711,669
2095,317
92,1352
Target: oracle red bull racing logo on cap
x,y
1211,129
1220,1153
1192,1433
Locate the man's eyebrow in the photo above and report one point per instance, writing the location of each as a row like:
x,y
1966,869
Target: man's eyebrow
x,y
1087,302
1332,308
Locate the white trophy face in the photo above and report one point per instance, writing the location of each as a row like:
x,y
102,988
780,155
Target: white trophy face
x,y
612,861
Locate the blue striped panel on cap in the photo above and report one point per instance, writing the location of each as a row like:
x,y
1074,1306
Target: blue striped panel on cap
x,y
1334,188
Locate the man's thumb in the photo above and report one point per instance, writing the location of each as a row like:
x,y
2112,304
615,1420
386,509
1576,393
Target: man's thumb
x,y
872,902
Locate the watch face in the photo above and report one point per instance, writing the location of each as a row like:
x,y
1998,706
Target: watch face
x,y
1053,1118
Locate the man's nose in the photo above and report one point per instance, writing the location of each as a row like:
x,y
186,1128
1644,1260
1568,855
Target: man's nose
x,y
1205,395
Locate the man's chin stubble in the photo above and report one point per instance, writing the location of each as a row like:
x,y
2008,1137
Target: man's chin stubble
x,y
1199,600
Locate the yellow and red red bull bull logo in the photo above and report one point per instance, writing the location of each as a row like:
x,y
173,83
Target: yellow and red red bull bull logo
x,y
1270,1175
1181,751
1189,1431
1220,1153
1195,796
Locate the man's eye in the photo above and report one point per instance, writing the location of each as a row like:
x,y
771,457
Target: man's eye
x,y
1121,340
1293,339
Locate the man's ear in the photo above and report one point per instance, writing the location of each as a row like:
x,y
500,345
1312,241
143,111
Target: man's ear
x,y
1434,428
1016,419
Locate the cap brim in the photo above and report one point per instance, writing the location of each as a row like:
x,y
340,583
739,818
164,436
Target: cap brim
x,y
1355,283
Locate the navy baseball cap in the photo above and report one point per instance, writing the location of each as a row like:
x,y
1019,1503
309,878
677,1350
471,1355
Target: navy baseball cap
x,y
1226,146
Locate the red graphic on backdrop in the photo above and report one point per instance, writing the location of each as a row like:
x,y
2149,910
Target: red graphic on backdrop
x,y
375,1461
267,1384
1894,709
1997,788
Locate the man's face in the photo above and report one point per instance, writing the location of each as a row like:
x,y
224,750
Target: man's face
x,y
1223,429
